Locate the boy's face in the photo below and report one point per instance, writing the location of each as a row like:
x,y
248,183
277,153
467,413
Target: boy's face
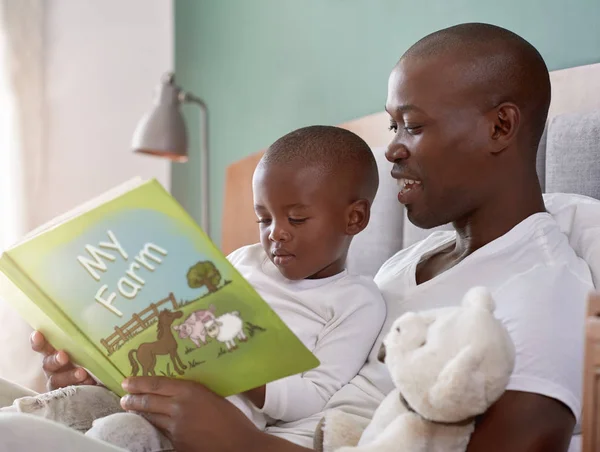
x,y
303,218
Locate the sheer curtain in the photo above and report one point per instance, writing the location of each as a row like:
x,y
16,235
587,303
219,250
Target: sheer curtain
x,y
11,181
21,152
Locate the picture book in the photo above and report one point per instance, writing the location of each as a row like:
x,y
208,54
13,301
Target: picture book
x,y
128,284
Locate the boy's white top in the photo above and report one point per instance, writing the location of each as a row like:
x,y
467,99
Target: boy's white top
x,y
337,318
539,285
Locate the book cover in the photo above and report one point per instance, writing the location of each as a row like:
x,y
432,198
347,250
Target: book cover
x,y
133,286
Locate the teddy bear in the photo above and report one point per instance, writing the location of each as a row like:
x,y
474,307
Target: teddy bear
x,y
448,365
96,412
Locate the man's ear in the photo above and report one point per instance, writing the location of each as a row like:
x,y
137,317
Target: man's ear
x,y
359,213
505,121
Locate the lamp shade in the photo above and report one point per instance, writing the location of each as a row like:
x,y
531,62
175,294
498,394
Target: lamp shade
x,y
162,130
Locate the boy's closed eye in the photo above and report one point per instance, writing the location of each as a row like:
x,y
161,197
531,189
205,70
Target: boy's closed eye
x,y
294,221
297,220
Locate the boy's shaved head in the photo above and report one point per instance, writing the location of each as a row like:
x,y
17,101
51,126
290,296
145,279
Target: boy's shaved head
x,y
504,66
334,151
313,190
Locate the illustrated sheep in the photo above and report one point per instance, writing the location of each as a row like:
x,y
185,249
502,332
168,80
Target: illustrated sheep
x,y
193,327
226,328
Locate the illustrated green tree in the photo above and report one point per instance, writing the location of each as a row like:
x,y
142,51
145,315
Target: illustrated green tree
x,y
202,274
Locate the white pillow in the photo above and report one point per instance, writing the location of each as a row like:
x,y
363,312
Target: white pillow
x,y
579,218
383,236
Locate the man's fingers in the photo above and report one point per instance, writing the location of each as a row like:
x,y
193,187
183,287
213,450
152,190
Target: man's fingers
x,y
147,404
56,361
163,386
67,378
160,421
39,344
89,381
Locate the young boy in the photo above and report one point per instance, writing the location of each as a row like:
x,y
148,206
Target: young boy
x,y
313,191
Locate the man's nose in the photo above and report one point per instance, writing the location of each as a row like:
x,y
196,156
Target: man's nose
x,y
395,152
381,354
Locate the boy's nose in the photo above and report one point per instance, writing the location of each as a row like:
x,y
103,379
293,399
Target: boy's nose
x,y
279,235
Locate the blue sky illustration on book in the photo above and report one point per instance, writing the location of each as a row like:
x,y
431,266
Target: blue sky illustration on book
x,y
176,245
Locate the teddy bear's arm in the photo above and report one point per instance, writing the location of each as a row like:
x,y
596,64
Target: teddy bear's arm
x,y
406,433
337,429
388,410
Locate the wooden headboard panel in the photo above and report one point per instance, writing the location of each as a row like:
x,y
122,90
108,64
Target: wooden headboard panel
x,y
591,383
239,221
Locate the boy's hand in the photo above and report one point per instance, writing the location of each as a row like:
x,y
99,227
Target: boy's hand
x,y
59,369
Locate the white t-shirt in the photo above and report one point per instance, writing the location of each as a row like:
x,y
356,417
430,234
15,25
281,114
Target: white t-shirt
x,y
337,318
540,288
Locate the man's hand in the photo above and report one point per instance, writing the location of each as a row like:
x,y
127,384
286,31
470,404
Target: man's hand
x,y
191,416
196,419
524,422
257,396
59,369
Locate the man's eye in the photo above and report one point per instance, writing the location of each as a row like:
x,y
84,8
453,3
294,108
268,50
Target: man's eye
x,y
297,220
413,130
263,220
393,126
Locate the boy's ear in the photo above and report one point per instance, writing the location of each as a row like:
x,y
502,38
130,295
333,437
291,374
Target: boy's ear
x,y
359,213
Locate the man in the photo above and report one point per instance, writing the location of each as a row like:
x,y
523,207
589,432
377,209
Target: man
x,y
467,105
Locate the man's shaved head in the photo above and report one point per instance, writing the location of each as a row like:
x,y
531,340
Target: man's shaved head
x,y
504,66
468,105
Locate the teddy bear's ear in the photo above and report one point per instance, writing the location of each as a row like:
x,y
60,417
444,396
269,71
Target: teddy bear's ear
x,y
460,387
480,297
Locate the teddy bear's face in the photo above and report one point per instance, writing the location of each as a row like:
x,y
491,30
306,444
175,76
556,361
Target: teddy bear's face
x,y
450,364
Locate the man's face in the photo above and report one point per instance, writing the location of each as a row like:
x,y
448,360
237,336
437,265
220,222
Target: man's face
x,y
441,139
302,216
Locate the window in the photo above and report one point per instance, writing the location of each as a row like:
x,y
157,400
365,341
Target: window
x,y
11,216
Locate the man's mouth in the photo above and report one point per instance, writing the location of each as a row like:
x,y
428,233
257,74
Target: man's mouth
x,y
407,184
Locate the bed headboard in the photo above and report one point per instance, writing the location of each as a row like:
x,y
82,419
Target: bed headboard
x,y
573,90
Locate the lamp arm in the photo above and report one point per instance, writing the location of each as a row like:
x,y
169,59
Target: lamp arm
x,y
204,163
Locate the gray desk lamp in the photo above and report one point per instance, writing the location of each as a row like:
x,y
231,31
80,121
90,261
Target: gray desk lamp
x,y
162,132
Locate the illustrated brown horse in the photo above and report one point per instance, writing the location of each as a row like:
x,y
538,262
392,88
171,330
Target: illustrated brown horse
x,y
164,345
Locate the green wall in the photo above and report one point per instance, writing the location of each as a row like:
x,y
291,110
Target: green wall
x,y
265,67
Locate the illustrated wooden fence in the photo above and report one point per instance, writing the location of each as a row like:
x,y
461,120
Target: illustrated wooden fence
x,y
138,323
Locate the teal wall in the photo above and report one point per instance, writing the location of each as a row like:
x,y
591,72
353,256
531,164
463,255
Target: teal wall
x,y
265,67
